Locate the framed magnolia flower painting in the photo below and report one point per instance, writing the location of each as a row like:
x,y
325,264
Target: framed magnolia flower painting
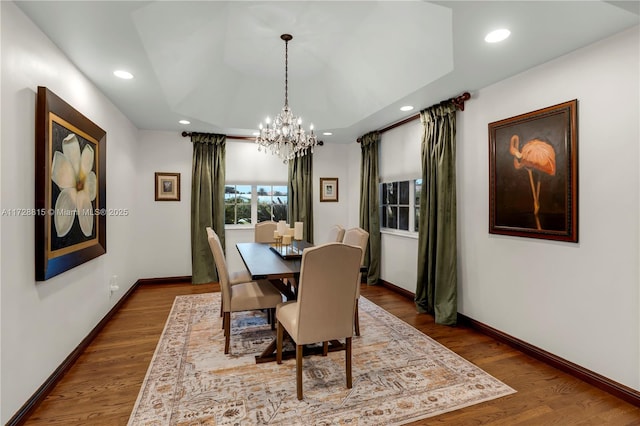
x,y
70,206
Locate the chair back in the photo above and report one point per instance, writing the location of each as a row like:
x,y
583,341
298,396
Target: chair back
x,y
264,231
360,238
357,237
327,292
336,234
221,265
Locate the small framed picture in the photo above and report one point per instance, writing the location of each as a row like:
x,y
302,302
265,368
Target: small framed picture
x,y
328,189
167,186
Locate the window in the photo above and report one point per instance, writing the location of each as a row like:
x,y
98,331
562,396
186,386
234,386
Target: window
x,y
249,204
417,184
400,205
237,204
272,203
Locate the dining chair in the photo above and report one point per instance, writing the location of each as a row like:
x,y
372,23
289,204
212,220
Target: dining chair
x,y
241,296
336,234
360,238
324,308
235,277
264,231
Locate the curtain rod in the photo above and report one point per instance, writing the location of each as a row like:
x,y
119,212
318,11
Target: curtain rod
x,y
244,138
458,101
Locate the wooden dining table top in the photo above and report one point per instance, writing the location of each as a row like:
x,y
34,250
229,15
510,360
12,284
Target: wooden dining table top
x,y
264,263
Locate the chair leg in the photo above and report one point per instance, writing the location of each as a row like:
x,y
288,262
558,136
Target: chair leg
x,y
356,319
348,362
272,318
325,348
280,336
299,349
223,318
226,319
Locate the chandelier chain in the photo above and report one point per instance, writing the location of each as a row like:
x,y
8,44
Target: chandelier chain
x,y
286,73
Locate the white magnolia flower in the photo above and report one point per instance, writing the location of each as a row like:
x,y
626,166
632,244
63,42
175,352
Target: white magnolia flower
x,y
73,173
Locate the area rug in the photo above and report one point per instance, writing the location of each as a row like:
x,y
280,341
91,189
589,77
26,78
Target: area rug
x,y
399,374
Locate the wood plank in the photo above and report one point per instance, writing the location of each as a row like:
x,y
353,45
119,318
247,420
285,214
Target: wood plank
x,y
102,386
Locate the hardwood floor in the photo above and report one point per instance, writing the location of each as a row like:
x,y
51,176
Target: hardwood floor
x,y
102,386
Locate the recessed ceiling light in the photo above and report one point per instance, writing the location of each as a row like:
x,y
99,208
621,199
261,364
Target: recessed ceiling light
x,y
327,133
406,108
123,74
184,122
497,35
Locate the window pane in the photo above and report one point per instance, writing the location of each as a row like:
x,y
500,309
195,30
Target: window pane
x,y
229,214
279,212
403,192
403,218
280,199
244,214
392,217
280,190
417,224
264,212
391,193
418,190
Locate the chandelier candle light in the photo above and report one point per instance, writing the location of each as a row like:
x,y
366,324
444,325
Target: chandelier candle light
x,y
284,136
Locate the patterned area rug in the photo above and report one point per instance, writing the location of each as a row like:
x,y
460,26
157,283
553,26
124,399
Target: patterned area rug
x,y
399,374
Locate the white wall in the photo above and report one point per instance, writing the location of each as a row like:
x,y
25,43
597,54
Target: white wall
x,y
163,227
42,322
331,160
578,301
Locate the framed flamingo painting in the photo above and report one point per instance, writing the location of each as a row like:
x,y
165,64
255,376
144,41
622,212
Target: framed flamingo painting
x,y
70,187
533,174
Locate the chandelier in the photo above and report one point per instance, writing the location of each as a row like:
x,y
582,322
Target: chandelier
x,y
284,136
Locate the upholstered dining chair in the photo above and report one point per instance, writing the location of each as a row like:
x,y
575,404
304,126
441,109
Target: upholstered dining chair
x,y
336,234
324,309
235,277
241,296
264,231
360,238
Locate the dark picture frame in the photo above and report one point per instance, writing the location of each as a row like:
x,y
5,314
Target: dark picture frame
x,y
70,187
329,189
167,186
533,174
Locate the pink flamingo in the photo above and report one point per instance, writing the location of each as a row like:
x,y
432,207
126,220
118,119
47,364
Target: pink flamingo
x,y
535,154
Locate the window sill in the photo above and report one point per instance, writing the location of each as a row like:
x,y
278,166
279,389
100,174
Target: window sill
x,y
399,233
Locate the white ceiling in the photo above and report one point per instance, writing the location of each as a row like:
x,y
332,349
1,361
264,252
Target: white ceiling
x,y
352,64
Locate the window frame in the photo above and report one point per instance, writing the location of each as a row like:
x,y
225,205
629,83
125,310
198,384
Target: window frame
x,y
254,201
412,207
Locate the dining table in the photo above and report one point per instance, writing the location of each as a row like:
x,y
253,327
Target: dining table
x,y
280,265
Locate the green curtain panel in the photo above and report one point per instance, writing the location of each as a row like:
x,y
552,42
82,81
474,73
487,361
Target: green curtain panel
x,y
301,193
207,202
370,203
436,289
